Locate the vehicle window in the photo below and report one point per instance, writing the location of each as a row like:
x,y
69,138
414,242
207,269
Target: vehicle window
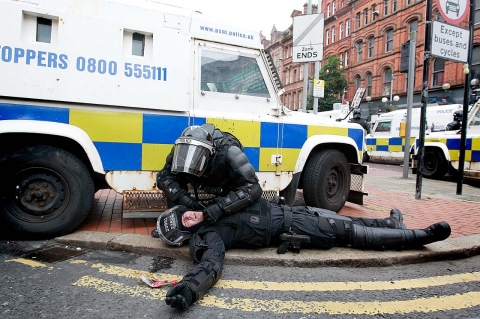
x,y
231,73
383,127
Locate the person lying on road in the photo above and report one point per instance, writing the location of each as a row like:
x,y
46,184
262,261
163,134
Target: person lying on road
x,y
267,223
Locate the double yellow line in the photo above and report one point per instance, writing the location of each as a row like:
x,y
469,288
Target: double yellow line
x,y
422,305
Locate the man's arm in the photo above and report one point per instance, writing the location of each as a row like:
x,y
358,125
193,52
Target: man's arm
x,y
208,250
172,187
244,195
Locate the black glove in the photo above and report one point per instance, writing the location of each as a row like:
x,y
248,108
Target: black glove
x,y
282,249
180,296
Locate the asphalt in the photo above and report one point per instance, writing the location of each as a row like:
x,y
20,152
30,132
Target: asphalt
x,y
387,189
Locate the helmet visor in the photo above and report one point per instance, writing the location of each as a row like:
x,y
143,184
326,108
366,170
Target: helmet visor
x,y
190,156
169,229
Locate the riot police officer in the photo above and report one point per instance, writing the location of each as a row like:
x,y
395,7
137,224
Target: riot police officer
x,y
357,118
265,223
213,162
456,124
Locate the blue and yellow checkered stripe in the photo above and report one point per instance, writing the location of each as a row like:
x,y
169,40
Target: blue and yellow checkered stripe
x,y
472,148
387,144
141,141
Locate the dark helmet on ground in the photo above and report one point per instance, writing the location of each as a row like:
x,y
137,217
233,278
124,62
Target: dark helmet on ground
x,y
171,229
457,115
357,113
193,149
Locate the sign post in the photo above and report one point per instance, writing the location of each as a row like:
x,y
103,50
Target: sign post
x,y
318,88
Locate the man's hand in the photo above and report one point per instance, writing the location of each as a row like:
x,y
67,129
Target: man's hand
x,y
212,213
180,296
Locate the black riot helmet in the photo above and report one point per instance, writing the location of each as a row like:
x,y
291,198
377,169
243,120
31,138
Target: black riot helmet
x,y
171,229
357,113
193,149
457,115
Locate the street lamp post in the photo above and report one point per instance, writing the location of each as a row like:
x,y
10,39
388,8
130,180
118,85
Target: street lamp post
x,y
396,98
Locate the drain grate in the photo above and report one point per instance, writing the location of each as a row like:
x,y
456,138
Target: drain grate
x,y
53,254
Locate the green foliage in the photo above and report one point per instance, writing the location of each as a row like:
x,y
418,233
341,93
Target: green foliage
x,y
335,82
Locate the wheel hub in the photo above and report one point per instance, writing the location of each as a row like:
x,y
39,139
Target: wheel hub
x,y
332,182
39,192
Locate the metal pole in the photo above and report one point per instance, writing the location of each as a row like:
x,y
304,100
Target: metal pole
x,y
411,88
305,71
391,91
423,112
466,98
317,65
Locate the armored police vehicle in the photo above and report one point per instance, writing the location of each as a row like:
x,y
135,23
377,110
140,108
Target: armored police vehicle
x,y
95,92
386,142
442,150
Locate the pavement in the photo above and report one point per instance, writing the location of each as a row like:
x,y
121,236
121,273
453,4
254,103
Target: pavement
x,y
105,228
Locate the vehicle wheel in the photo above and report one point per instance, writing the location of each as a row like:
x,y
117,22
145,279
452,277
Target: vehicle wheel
x,y
366,158
326,182
46,191
435,164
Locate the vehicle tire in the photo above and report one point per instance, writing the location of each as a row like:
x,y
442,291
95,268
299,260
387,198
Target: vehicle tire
x,y
46,191
434,164
366,157
326,182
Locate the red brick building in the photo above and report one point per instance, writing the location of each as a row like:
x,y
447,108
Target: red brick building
x,y
368,35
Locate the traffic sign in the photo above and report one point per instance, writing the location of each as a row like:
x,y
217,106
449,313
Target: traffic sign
x,y
453,11
450,42
318,88
308,38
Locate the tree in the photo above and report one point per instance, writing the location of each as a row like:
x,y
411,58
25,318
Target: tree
x,y
335,83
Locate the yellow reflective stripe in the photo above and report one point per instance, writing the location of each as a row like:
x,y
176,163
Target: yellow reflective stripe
x,y
104,126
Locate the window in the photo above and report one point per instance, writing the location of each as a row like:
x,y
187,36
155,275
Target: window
x,y
334,7
438,72
340,34
369,84
385,7
387,82
329,10
341,61
394,5
342,3
301,73
365,17
409,2
477,12
359,46
374,12
358,20
371,45
347,28
384,126
327,37
358,82
138,44
389,41
346,58
475,69
333,34
231,72
44,30
413,26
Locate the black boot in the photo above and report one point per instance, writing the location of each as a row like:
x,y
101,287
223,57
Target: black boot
x,y
395,220
382,238
155,233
